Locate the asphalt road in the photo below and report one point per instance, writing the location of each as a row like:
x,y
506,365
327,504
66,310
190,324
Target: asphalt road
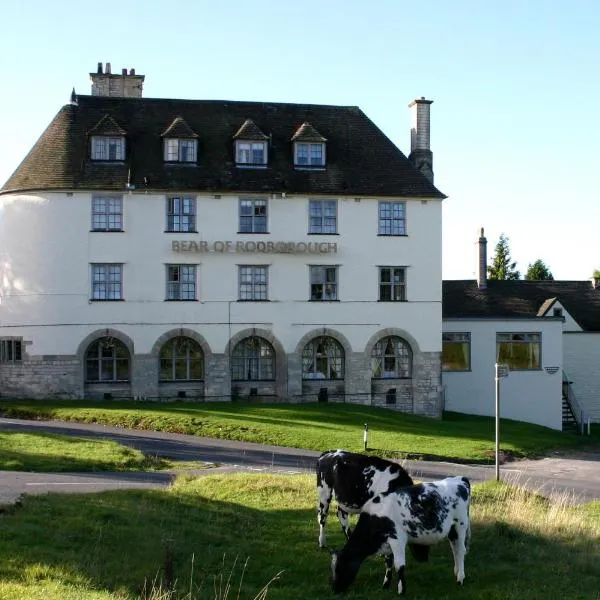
x,y
574,475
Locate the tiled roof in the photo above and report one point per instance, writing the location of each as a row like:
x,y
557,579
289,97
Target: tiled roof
x,y
307,133
521,299
361,160
249,131
179,129
107,126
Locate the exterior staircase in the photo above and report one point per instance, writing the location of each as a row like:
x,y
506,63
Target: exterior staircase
x,y
572,415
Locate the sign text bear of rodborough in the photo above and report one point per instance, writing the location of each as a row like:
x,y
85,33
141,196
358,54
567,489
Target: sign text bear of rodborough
x,y
255,247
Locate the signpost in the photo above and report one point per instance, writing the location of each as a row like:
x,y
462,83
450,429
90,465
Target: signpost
x,y
501,371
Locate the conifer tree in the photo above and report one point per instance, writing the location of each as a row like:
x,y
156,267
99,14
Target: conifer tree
x,y
502,268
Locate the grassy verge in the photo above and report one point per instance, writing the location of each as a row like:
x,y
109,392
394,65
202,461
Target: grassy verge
x,y
58,453
197,537
314,426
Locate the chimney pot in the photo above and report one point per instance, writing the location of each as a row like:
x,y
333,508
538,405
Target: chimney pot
x,y
108,68
123,72
132,71
99,68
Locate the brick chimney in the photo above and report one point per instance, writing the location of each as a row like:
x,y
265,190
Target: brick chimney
x,y
482,262
420,152
122,85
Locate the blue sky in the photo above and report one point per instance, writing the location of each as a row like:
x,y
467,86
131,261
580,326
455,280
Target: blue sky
x,y
515,121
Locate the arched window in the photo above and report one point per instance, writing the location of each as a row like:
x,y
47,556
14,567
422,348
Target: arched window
x,y
181,359
323,358
107,359
391,358
252,359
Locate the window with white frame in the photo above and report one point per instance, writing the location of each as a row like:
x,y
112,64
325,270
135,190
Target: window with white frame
x,y
309,154
11,350
108,148
181,282
322,216
107,281
181,213
180,150
253,359
323,282
250,153
107,213
456,351
520,351
253,282
107,360
253,215
392,284
323,358
392,218
181,359
391,358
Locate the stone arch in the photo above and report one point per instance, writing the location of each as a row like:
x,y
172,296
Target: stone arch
x,y
258,332
392,331
321,331
100,333
181,332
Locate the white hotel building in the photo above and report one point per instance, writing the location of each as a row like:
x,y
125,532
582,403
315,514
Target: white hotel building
x,y
160,248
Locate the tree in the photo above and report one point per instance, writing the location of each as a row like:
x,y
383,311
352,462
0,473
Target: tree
x,y
502,268
596,274
538,271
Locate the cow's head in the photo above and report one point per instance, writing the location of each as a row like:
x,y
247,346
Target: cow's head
x,y
343,572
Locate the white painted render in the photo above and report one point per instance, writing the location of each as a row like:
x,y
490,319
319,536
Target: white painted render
x,y
569,324
47,248
533,396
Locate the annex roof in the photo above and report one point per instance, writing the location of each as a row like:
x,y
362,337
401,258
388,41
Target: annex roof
x,y
361,160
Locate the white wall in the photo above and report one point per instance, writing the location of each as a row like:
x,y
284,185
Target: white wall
x,y
582,365
532,396
46,248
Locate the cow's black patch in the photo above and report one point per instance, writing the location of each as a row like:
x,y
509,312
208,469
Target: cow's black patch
x,y
427,508
376,500
453,534
462,492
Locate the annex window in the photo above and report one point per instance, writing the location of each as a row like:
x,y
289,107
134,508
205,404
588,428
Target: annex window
x,y
392,218
108,148
253,359
309,154
456,351
181,282
107,281
323,282
107,213
392,284
391,358
253,215
322,216
253,282
520,351
107,360
251,153
180,150
181,213
181,359
323,358
11,350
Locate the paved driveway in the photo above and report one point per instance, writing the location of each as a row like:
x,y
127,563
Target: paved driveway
x,y
577,475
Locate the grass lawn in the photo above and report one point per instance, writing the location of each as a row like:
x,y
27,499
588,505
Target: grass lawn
x,y
60,453
110,546
316,426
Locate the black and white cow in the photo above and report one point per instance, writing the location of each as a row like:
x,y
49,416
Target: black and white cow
x,y
423,514
355,479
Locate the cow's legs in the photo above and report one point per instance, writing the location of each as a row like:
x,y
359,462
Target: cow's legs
x,y
398,548
389,564
457,537
342,515
324,494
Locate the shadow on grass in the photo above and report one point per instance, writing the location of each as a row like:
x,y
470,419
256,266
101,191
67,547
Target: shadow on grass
x,y
118,541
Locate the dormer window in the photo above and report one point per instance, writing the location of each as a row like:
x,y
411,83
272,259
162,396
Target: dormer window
x,y
309,147
180,142
177,150
108,148
251,153
250,145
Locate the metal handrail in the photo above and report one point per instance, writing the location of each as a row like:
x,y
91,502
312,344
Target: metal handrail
x,y
574,405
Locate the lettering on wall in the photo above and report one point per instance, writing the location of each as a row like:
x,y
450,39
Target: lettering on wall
x,y
255,247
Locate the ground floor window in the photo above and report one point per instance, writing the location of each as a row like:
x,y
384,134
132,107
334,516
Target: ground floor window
x,y
391,357
11,350
181,359
520,351
456,351
107,360
323,358
253,359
